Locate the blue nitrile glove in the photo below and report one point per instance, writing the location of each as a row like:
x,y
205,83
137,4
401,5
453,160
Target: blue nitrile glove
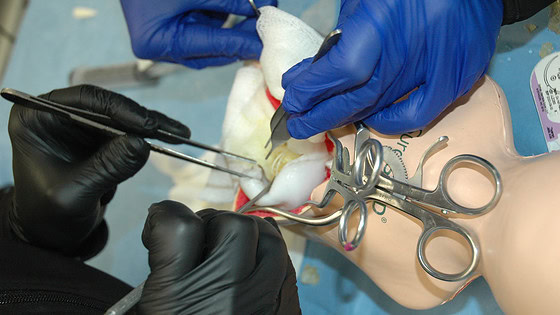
x,y
387,49
189,31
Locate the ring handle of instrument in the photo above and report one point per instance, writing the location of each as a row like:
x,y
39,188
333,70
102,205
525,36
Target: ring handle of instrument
x,y
448,168
360,162
430,229
349,208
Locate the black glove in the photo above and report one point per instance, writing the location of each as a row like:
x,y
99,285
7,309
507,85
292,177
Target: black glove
x,y
215,262
65,173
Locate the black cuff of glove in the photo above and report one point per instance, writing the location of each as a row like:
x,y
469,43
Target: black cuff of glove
x,y
519,10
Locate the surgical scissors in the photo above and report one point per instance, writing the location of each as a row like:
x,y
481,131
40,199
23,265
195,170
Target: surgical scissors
x,y
362,181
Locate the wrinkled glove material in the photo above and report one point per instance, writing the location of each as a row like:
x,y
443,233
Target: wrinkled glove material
x,y
215,262
190,32
436,49
65,174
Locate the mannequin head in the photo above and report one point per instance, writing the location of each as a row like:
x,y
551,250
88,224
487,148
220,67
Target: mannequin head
x,y
518,257
479,124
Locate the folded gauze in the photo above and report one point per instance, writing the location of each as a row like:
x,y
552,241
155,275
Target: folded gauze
x,y
298,166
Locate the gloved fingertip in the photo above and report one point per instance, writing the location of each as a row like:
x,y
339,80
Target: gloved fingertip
x,y
183,130
411,114
168,124
234,237
298,130
125,113
274,224
136,147
387,121
251,50
71,95
201,63
116,161
215,46
235,43
170,206
289,76
247,25
287,103
197,64
170,216
46,96
174,237
206,212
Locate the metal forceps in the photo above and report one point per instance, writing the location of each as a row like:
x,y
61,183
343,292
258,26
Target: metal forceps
x,y
278,123
407,198
363,181
346,180
104,124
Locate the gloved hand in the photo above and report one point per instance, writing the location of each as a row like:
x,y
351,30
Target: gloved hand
x,y
189,32
65,174
215,262
387,49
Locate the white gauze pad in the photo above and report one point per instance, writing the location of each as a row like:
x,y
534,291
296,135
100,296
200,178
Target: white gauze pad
x,y
287,40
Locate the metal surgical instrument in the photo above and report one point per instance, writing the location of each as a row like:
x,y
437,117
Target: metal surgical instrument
x,y
254,6
346,179
104,123
362,181
278,123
